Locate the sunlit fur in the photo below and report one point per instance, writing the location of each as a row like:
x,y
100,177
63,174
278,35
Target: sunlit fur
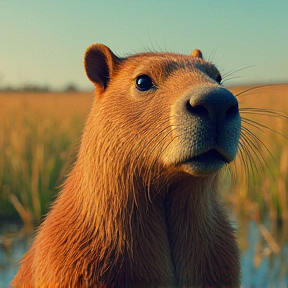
x,y
126,217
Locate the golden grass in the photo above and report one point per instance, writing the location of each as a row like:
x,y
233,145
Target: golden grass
x,y
259,191
264,191
38,135
39,132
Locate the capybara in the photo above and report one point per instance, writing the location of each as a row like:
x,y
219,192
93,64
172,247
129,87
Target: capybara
x,y
141,206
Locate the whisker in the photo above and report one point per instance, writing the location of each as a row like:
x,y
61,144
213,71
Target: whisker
x,y
258,126
246,164
256,138
257,152
230,78
212,54
263,112
248,150
235,71
250,89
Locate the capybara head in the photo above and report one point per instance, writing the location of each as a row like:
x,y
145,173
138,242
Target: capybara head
x,y
166,109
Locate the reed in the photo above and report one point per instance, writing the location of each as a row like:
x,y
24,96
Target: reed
x,y
38,135
259,191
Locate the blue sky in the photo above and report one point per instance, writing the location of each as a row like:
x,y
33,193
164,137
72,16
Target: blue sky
x,y
43,42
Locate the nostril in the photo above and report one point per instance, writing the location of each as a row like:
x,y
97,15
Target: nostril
x,y
197,110
232,111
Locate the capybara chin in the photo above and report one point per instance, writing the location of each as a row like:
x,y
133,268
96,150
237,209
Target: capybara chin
x,y
141,206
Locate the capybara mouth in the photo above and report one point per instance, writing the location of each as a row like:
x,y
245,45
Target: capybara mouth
x,y
210,156
206,163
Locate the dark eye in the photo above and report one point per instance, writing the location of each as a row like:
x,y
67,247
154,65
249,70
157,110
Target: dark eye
x,y
144,83
219,78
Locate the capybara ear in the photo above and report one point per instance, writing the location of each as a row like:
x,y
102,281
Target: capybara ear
x,y
99,64
197,53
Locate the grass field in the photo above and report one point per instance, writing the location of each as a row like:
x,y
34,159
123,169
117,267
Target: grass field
x,y
262,195
39,133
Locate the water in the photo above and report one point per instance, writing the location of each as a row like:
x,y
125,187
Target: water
x,y
271,272
14,242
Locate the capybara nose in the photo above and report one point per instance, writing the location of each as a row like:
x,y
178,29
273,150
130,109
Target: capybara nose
x,y
217,103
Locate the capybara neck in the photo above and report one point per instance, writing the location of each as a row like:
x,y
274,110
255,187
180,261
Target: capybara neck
x,y
144,231
141,207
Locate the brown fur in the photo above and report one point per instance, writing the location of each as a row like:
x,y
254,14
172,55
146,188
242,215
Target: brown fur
x,y
133,212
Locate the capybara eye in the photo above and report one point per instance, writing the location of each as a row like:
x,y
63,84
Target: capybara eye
x,y
144,83
219,78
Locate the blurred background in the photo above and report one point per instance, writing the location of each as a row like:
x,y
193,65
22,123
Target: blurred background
x,y
45,97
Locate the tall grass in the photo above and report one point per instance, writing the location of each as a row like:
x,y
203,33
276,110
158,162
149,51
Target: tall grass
x,y
259,191
38,135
